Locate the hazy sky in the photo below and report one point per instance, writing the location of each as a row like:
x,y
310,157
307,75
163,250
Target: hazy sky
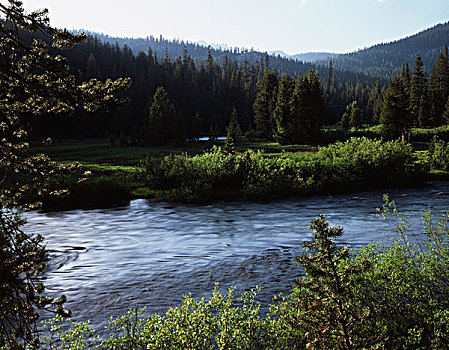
x,y
293,26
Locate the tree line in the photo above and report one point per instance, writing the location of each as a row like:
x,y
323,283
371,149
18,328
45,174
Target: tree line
x,y
203,93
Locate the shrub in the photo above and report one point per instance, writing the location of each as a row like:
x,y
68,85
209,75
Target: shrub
x,y
439,154
350,165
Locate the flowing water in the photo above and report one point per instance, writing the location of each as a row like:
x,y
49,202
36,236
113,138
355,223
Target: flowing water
x,y
149,254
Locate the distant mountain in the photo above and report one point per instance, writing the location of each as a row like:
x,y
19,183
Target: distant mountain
x,y
279,53
381,61
314,56
385,60
199,52
304,57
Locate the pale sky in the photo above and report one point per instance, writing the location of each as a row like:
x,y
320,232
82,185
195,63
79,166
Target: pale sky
x,y
293,26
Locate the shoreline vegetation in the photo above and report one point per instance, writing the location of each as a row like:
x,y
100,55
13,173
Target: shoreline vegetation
x,y
205,171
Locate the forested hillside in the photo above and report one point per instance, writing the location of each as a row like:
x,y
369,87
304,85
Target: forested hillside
x,y
383,61
203,93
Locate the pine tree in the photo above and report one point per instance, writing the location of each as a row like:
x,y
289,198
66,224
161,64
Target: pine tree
x,y
197,126
424,110
439,87
324,299
330,80
92,68
233,131
395,117
33,83
264,103
375,103
282,112
446,112
314,108
346,118
161,118
418,87
352,117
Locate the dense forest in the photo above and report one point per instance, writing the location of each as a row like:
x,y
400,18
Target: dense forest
x,y
205,84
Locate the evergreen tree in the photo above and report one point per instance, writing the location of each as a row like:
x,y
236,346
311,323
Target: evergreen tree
x,y
395,117
264,103
439,87
233,131
33,83
161,118
352,118
91,67
330,80
446,112
179,131
375,103
424,111
282,112
197,127
346,118
314,108
418,87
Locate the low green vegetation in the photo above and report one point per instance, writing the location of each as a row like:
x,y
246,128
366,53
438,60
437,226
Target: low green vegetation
x,y
344,166
390,295
439,154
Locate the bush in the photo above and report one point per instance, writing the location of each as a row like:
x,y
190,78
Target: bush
x,y
351,165
439,154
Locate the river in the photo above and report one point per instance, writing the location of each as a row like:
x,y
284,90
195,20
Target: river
x,y
149,254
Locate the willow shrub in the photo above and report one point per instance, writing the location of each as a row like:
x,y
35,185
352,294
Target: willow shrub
x,y
216,323
439,154
350,165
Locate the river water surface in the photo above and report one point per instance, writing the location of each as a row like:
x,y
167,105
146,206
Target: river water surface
x,y
107,261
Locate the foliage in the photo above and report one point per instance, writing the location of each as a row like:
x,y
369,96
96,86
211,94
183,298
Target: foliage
x,y
222,322
394,116
323,299
161,119
356,163
33,83
234,133
352,118
439,154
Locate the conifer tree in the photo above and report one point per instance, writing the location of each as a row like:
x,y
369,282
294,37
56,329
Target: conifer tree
x,y
375,103
282,112
346,118
439,87
33,83
197,126
161,118
314,108
395,117
91,67
233,131
264,103
324,299
446,112
424,110
418,87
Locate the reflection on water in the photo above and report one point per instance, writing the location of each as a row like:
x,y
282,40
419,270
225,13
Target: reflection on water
x,y
150,254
